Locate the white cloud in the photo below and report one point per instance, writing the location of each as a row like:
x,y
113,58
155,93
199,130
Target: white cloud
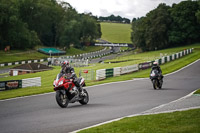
x,y
124,8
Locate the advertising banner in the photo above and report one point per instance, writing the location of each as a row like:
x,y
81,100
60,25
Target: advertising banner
x,y
12,84
145,65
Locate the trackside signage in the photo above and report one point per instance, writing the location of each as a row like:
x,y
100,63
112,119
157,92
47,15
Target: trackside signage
x,y
9,85
145,65
14,84
112,45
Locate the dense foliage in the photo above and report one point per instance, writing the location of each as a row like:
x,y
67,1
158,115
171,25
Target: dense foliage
x,y
113,18
167,26
26,23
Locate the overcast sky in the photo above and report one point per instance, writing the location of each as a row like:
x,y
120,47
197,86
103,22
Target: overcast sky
x,y
124,8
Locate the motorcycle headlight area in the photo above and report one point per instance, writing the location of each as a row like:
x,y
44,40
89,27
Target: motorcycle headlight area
x,y
60,83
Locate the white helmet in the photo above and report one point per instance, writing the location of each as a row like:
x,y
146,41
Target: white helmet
x,y
155,63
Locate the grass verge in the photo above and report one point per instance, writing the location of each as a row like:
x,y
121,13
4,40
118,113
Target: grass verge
x,y
197,92
176,122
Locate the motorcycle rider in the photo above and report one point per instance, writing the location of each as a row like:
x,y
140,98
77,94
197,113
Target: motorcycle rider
x,y
67,69
157,67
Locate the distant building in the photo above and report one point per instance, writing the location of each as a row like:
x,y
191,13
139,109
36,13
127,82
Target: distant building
x,y
29,68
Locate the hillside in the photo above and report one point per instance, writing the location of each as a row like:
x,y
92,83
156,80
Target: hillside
x,y
116,32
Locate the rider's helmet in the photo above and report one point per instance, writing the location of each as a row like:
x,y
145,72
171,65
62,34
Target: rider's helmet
x,y
65,64
155,64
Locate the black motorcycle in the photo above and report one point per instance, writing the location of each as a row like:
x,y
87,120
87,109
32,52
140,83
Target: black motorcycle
x,y
156,79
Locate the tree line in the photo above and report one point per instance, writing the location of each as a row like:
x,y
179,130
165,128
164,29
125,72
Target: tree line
x,y
113,18
27,23
167,26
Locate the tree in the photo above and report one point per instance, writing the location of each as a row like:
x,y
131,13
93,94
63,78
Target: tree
x,y
150,32
26,23
156,33
38,14
113,18
167,26
184,28
14,32
198,13
71,34
90,28
137,36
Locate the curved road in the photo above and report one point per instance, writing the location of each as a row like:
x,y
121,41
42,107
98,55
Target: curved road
x,y
42,114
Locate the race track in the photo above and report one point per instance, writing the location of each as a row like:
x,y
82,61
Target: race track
x,y
41,114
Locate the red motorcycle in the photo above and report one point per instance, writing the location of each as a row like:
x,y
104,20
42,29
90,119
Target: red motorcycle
x,y
67,92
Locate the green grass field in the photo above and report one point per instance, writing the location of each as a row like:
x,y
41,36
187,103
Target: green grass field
x,y
176,122
116,32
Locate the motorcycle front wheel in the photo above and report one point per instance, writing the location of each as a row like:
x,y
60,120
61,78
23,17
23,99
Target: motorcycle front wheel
x,y
85,99
160,86
61,99
155,84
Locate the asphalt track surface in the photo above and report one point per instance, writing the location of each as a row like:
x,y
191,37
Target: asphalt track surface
x,y
41,114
